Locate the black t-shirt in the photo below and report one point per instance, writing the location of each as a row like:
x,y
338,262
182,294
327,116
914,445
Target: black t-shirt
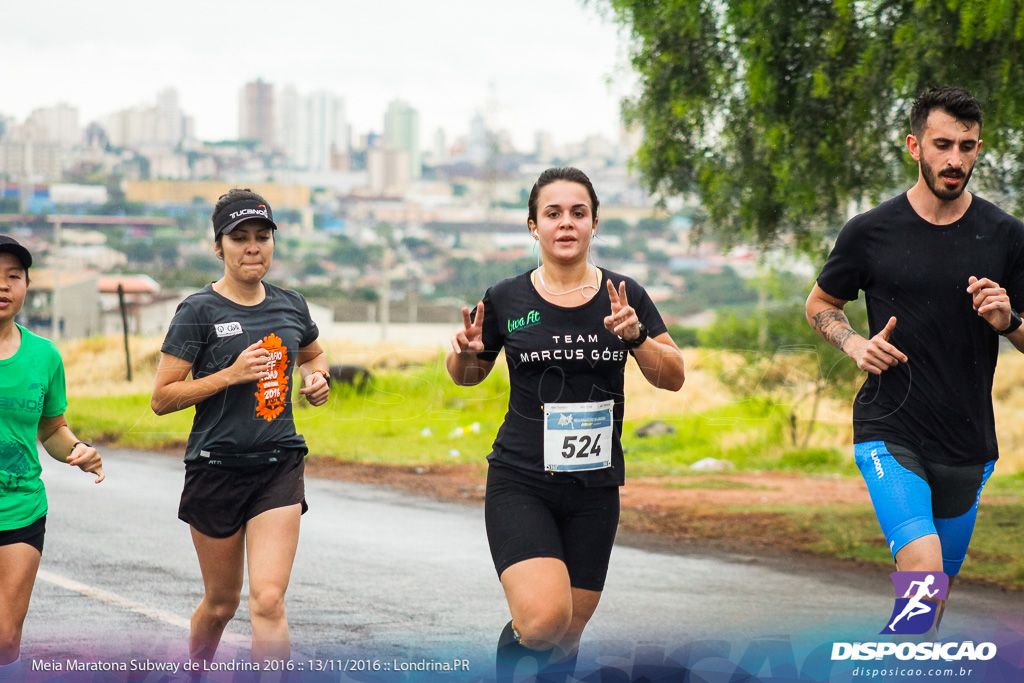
x,y
939,403
558,355
210,331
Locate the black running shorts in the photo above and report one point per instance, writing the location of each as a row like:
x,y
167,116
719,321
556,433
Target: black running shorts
x,y
217,501
32,535
527,517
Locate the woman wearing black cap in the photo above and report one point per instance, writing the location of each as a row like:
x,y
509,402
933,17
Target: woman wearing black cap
x,y
32,407
241,339
552,504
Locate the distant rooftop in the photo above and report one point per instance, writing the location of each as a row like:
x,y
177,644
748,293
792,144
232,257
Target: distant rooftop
x,y
133,284
89,220
43,278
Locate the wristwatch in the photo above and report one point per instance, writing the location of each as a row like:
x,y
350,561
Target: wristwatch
x,y
77,443
1015,322
641,338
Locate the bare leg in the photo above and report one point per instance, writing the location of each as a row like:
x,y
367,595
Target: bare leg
x,y
924,555
540,599
548,613
19,563
221,561
271,540
584,604
920,555
942,605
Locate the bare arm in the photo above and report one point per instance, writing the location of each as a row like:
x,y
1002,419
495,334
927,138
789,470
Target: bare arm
x,y
173,391
659,358
661,361
464,367
312,364
59,441
825,314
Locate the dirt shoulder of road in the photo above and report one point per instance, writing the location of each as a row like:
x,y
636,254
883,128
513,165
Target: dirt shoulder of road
x,y
664,514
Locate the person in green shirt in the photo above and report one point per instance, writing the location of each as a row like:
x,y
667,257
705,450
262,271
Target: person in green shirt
x,y
32,404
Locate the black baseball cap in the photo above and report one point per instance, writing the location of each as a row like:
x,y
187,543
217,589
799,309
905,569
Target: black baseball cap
x,y
11,246
236,213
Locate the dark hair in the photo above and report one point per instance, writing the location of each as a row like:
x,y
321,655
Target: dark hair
x,y
955,101
573,175
233,195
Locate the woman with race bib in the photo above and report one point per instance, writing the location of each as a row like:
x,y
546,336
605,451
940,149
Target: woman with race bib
x,y
241,339
552,501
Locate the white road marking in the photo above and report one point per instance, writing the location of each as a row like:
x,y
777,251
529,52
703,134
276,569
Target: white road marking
x,y
132,606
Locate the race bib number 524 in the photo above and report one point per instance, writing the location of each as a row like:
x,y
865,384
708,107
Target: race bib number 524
x,y
577,436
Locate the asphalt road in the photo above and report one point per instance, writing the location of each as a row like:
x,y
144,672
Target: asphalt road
x,y
382,575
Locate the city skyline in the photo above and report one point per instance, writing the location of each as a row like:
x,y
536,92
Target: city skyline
x,y
532,66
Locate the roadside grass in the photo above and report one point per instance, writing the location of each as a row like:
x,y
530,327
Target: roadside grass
x,y
713,483
126,420
417,415
850,530
411,413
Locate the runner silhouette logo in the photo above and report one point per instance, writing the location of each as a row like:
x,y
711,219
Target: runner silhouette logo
x,y
918,595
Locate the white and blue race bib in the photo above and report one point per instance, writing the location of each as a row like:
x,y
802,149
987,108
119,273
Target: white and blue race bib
x,y
577,436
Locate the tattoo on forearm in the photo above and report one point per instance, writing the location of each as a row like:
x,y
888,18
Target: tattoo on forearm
x,y
833,326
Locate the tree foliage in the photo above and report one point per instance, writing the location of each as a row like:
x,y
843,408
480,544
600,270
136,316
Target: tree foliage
x,y
796,365
779,113
791,364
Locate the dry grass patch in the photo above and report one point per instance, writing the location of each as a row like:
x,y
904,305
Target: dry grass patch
x,y
96,366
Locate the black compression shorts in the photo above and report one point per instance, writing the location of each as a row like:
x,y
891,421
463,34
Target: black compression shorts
x,y
527,517
32,535
218,501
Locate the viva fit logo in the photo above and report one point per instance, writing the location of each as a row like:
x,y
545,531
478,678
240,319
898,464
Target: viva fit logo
x,y
529,320
272,390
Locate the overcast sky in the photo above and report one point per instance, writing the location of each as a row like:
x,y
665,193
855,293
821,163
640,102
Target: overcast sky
x,y
550,60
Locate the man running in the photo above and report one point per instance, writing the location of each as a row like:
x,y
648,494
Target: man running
x,y
942,271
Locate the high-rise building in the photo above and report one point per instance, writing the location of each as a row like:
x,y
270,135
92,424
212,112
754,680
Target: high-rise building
x,y
402,132
172,122
387,171
55,124
327,131
313,130
163,125
256,113
439,151
543,147
288,126
479,144
31,159
134,127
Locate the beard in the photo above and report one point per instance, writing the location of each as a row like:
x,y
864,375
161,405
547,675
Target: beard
x,y
932,180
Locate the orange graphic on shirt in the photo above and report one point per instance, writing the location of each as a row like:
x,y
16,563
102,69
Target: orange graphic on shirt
x,y
272,391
